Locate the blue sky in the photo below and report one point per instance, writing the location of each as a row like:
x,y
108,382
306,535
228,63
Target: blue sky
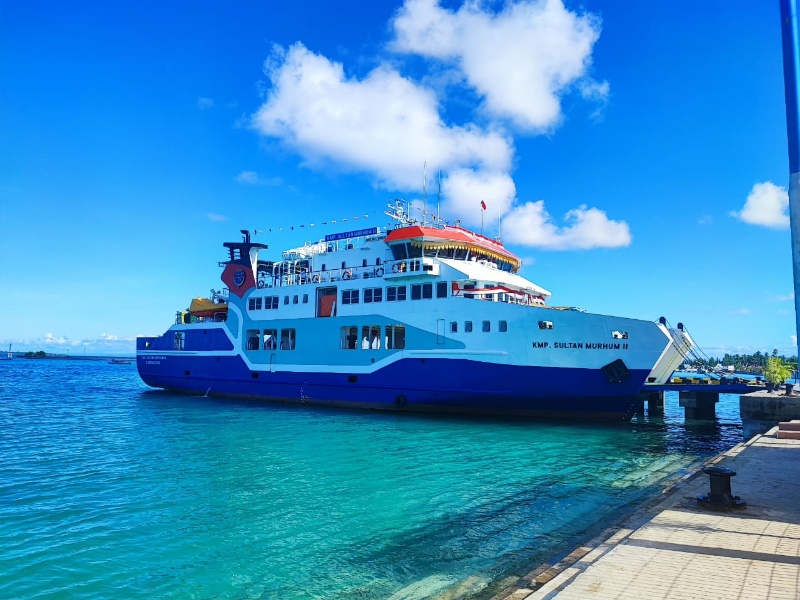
x,y
636,151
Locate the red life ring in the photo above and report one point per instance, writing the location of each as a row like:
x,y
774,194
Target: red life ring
x,y
347,274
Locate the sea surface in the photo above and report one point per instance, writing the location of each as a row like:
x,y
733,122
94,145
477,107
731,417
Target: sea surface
x,y
109,489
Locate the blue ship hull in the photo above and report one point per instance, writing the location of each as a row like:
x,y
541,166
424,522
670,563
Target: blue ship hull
x,y
410,384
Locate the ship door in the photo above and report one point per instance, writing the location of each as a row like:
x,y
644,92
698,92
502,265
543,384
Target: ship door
x,y
326,302
272,362
440,332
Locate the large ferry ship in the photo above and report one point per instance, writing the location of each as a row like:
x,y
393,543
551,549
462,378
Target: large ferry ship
x,y
413,317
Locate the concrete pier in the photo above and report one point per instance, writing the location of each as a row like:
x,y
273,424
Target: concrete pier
x,y
674,549
769,406
654,401
699,405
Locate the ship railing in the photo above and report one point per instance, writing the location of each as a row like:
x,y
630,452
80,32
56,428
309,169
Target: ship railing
x,y
412,267
326,276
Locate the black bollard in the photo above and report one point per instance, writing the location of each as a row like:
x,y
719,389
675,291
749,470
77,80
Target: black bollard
x,y
720,497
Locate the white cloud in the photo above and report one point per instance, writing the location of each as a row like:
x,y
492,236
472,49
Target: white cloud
x,y
49,338
385,124
531,225
741,311
253,178
464,189
520,59
216,217
766,205
204,103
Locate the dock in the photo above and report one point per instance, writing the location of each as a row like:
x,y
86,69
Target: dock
x,y
697,394
673,548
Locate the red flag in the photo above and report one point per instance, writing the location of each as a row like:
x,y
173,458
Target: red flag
x,y
483,205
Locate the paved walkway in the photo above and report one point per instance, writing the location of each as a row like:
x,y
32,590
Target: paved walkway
x,y
674,549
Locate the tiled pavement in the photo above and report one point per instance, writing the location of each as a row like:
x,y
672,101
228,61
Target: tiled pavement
x,y
674,549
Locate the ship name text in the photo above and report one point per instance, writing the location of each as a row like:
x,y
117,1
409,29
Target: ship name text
x,y
581,345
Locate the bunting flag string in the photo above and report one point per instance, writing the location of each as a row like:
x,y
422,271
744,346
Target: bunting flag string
x,y
427,216
342,220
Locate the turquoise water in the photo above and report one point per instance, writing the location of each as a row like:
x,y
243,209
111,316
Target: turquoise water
x,y
110,489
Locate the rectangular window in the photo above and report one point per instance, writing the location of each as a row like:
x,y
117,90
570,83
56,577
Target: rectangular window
x,y
468,326
502,326
370,337
178,341
275,303
427,291
545,324
373,295
252,339
295,299
396,293
254,303
286,299
349,296
348,337
416,291
441,289
487,326
375,337
270,341
287,339
395,337
305,298
453,326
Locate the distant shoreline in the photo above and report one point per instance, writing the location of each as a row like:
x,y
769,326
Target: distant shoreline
x,y
36,356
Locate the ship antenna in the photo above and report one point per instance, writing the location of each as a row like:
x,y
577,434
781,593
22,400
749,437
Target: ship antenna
x,y
438,197
498,221
424,193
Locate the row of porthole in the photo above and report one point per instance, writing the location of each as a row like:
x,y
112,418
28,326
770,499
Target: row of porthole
x,y
486,326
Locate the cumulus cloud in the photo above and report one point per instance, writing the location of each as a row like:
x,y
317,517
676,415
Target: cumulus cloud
x,y
384,124
766,205
464,189
49,338
531,225
520,59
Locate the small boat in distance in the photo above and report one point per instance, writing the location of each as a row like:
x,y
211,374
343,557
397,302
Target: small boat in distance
x,y
120,361
414,317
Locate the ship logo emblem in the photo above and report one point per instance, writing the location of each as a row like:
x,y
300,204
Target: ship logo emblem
x,y
238,277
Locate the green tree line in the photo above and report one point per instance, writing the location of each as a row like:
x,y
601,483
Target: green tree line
x,y
743,362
